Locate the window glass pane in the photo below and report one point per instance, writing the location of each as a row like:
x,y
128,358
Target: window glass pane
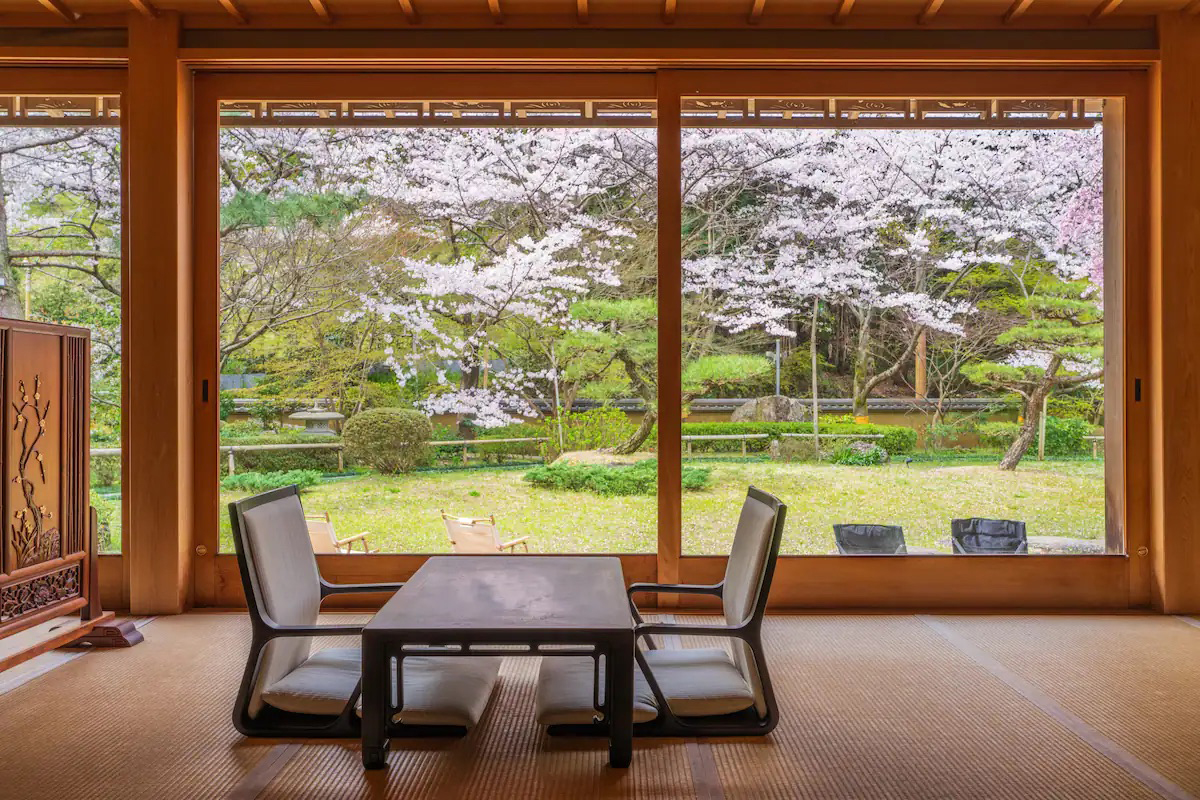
x,y
925,279
496,284
60,254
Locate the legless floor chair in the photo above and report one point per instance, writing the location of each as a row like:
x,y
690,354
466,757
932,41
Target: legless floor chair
x,y
288,690
689,692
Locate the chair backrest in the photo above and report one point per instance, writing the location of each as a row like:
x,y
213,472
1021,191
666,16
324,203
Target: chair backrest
x,y
321,533
748,576
977,536
279,574
473,535
875,540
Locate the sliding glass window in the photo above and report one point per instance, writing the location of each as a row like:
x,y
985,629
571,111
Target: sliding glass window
x,y
60,251
439,319
894,318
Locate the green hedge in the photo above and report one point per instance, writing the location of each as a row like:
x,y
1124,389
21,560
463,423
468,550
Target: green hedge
x,y
255,482
896,440
1064,437
388,440
610,481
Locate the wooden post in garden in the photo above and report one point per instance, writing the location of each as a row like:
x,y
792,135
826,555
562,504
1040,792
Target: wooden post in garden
x,y
464,452
341,460
921,367
232,468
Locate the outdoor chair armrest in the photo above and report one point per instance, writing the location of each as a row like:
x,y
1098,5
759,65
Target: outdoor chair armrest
x,y
678,588
357,588
523,541
315,630
354,538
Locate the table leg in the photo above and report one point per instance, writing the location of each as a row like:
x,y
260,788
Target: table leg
x,y
620,703
376,694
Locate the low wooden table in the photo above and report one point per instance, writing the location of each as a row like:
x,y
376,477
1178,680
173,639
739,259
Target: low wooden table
x,y
474,603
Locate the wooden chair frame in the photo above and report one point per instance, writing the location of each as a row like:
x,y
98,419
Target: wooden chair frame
x,y
742,723
272,722
349,541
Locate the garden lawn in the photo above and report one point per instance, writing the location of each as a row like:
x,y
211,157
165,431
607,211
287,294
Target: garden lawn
x,y
1064,498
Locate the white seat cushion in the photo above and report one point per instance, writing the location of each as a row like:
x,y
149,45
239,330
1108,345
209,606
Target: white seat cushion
x,y
321,685
437,691
564,692
696,683
700,682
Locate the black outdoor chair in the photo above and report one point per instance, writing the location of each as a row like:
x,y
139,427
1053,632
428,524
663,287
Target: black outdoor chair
x,y
978,536
870,540
688,691
287,689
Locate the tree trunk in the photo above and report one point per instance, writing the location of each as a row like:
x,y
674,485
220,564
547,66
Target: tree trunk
x,y
1033,413
812,354
639,436
469,380
10,303
862,355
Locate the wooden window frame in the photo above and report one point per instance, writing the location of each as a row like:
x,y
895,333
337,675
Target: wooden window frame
x,y
1116,581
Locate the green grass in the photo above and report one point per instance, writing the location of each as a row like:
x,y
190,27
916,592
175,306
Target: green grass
x,y
1055,498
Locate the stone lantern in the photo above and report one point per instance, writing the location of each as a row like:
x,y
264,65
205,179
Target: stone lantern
x,y
316,420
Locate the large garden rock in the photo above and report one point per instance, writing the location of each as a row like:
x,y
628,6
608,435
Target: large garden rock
x,y
773,408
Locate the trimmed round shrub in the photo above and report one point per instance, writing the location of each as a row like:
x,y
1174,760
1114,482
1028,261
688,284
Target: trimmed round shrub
x,y
388,440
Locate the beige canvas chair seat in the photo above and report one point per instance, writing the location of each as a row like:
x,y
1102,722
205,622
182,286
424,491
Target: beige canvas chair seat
x,y
437,691
479,536
699,682
325,540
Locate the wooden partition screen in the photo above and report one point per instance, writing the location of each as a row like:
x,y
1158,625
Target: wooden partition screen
x,y
49,586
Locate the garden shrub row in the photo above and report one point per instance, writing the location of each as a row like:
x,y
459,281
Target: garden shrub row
x,y
255,482
896,440
612,481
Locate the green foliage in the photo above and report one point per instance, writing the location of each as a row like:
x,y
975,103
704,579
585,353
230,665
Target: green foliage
x,y
796,376
712,373
259,209
1064,437
269,412
860,454
106,470
612,481
240,433
496,453
224,405
256,482
597,428
897,439
108,518
389,440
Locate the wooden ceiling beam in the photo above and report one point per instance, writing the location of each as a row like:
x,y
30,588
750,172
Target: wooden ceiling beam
x,y
1104,9
144,8
1192,7
497,14
843,11
410,11
1017,9
669,7
756,11
322,9
581,11
932,7
59,8
234,10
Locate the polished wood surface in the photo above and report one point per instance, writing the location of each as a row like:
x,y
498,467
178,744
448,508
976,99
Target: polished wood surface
x,y
509,594
158,323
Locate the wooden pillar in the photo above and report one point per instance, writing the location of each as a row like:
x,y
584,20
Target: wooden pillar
x,y
158,335
1174,387
670,344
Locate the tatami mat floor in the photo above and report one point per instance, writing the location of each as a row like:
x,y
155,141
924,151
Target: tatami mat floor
x,y
872,707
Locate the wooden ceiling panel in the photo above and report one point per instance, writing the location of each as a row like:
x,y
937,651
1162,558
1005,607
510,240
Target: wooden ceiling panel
x,y
597,12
